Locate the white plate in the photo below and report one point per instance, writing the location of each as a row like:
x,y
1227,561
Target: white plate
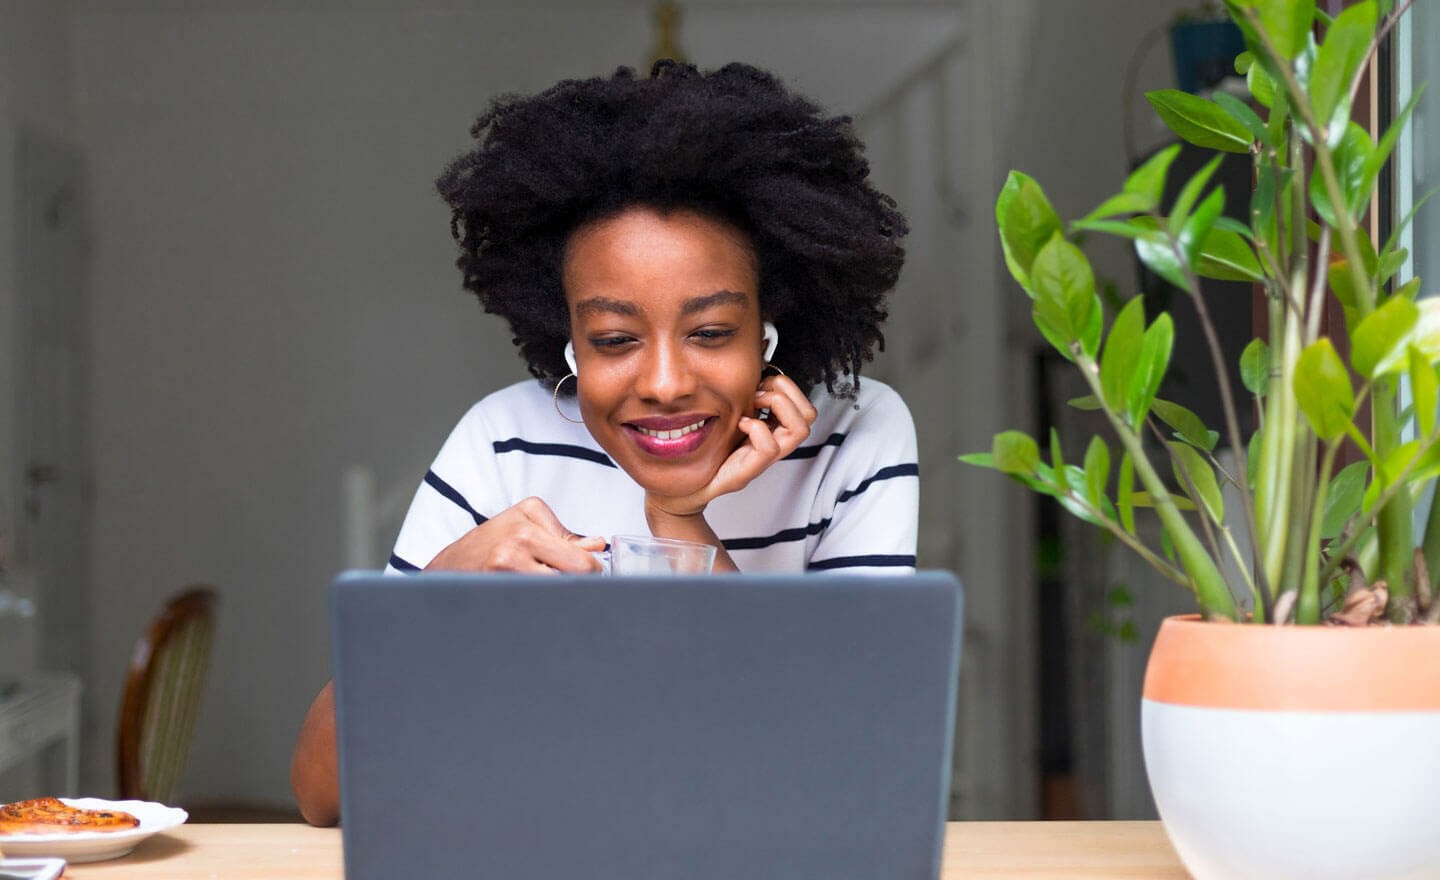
x,y
96,846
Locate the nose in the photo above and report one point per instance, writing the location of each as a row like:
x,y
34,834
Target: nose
x,y
665,374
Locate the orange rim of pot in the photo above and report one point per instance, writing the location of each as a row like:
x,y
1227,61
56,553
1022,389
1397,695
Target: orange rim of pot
x,y
1296,668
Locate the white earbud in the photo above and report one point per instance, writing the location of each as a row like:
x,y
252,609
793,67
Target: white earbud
x,y
772,339
570,357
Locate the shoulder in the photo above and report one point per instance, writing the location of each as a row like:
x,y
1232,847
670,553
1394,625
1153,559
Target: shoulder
x,y
525,409
876,408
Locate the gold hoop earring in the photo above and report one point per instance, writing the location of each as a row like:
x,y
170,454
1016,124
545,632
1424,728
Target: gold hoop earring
x,y
556,397
770,366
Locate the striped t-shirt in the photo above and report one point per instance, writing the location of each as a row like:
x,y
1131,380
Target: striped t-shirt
x,y
846,499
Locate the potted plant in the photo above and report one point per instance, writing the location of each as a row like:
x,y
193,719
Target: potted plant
x,y
1273,749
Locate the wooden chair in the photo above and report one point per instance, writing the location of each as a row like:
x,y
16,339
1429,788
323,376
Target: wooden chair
x,y
162,693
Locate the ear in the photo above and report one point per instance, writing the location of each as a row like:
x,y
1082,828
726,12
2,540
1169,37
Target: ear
x,y
570,357
771,337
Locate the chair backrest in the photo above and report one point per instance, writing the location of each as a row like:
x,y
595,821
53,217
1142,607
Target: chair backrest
x,y
162,693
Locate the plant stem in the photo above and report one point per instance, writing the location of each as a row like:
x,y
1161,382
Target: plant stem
x,y
1132,542
1382,503
1227,405
1307,607
1210,590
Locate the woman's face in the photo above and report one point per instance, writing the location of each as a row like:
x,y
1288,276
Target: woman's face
x,y
665,318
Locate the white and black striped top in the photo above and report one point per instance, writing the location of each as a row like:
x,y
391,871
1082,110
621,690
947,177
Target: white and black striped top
x,y
846,499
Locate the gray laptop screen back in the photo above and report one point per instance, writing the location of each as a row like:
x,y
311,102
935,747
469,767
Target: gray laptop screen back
x,y
759,726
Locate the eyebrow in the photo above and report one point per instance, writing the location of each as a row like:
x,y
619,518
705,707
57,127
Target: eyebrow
x,y
597,305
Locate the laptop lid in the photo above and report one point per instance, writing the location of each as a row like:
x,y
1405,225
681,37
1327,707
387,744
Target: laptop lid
x,y
709,727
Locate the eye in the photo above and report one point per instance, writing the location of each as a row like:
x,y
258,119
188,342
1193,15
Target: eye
x,y
712,335
610,343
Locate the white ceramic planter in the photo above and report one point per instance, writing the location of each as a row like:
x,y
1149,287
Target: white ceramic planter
x,y
1278,753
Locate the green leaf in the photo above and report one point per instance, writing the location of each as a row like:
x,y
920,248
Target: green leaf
x,y
1343,500
1133,228
1390,263
1190,194
978,459
1200,122
1399,230
1252,458
1027,223
1121,203
1351,156
1143,499
1150,367
1142,190
1381,154
1255,367
1243,114
1186,425
1064,288
1057,461
1197,227
1156,250
1061,342
1124,493
1148,181
1271,180
1378,344
1230,224
1261,86
1322,388
1014,452
1122,349
1427,331
1226,257
1424,390
1347,41
1201,474
1097,469
1287,22
1094,326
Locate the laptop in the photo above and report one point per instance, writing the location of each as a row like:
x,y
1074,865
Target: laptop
x,y
623,728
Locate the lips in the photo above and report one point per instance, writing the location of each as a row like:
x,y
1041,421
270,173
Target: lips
x,y
670,436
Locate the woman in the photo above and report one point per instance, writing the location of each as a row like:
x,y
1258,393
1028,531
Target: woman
x,y
682,260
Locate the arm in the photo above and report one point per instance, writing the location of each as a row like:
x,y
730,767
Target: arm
x,y
526,537
314,774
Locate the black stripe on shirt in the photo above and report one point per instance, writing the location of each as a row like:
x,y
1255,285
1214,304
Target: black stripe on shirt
x,y
564,450
401,565
780,537
812,451
876,561
887,473
450,492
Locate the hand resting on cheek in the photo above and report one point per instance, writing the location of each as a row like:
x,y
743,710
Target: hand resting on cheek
x,y
766,442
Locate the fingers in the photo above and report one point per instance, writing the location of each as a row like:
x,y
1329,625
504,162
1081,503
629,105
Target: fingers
x,y
791,413
526,538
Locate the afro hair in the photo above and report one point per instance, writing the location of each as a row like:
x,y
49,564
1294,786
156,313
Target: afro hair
x,y
733,144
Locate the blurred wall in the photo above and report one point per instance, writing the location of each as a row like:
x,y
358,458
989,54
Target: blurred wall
x,y
274,297
34,91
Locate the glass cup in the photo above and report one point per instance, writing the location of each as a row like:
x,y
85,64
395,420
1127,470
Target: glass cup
x,y
643,554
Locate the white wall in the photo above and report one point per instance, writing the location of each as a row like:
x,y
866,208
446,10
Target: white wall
x,y
34,92
274,295
275,298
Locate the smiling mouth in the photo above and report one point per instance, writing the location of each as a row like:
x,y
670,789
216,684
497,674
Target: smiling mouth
x,y
672,434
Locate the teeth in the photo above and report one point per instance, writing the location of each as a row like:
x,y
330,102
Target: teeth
x,y
673,434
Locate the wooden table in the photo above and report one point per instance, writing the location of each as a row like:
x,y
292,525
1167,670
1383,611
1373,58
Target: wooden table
x,y
1009,850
